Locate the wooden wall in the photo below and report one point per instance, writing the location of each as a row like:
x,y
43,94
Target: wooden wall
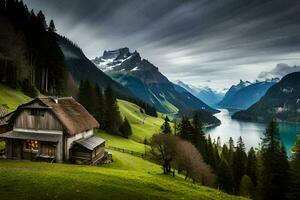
x,y
27,121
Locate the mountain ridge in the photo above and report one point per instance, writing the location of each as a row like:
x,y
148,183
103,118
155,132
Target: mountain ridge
x,y
245,94
282,102
144,79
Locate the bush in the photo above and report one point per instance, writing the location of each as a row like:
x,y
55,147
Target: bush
x,y
125,129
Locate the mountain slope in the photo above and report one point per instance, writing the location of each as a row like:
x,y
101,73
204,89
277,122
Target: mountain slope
x,y
82,68
146,82
232,91
282,101
244,95
205,94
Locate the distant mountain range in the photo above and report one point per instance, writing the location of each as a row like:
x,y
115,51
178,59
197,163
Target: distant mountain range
x,y
206,94
245,94
81,68
282,101
145,81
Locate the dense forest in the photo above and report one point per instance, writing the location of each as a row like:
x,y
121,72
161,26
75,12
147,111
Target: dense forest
x,y
30,57
263,173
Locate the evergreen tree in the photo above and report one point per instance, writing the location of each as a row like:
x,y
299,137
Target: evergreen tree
x,y
199,139
100,106
251,169
225,152
52,27
230,151
246,187
42,19
224,176
239,163
186,130
112,114
211,154
166,128
294,193
125,129
273,179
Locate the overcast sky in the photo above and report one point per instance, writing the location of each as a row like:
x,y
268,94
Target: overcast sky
x,y
201,42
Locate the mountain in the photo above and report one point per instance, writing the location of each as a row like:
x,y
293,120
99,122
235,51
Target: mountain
x,y
206,94
245,94
146,82
81,68
232,91
282,101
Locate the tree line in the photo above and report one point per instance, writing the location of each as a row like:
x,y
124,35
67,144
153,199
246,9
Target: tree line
x,y
30,57
104,107
263,173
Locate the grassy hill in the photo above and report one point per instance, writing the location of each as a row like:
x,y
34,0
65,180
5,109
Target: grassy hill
x,y
10,98
128,177
143,126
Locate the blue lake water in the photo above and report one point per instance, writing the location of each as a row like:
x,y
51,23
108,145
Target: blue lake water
x,y
250,132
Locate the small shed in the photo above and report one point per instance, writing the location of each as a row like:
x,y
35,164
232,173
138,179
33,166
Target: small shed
x,y
88,150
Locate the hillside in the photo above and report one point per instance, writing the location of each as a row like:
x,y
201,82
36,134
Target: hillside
x,y
245,94
10,98
232,91
145,80
282,101
128,177
81,68
206,94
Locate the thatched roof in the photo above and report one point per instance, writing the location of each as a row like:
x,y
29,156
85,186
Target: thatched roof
x,y
72,115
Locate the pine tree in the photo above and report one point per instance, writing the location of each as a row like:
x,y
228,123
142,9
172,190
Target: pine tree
x,y
251,169
52,27
211,154
166,128
294,193
246,187
273,179
100,106
186,130
224,178
239,163
42,19
112,114
125,129
199,139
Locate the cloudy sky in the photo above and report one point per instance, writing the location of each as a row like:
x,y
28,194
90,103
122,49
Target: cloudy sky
x,y
201,42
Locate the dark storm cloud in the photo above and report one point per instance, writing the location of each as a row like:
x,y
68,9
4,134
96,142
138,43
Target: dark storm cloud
x,y
192,40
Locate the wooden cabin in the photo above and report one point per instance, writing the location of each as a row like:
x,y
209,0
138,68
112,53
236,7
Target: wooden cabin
x,y
54,129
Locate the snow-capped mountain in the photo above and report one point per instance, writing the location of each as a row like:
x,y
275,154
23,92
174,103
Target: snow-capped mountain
x,y
206,94
144,79
245,94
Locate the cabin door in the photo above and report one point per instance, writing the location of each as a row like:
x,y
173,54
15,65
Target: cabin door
x,y
17,149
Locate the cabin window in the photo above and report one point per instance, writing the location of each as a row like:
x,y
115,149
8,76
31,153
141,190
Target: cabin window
x,y
37,113
32,145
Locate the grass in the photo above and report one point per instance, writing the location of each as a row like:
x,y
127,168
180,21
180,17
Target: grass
x,y
128,177
117,141
11,98
143,126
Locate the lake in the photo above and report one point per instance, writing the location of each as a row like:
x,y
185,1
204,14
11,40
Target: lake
x,y
250,132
